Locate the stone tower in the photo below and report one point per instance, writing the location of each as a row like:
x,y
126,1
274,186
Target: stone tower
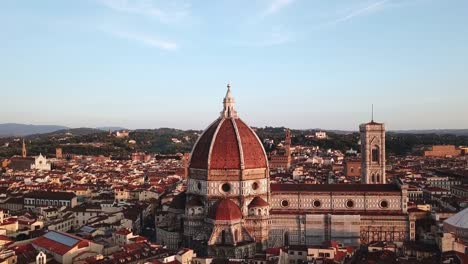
x,y
372,153
287,148
24,153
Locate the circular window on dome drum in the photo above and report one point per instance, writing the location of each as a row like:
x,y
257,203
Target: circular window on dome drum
x,y
284,203
226,187
350,203
383,204
255,186
317,203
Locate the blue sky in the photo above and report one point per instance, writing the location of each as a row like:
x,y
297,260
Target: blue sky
x,y
293,63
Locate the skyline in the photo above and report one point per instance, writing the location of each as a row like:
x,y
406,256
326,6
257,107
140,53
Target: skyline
x,y
149,64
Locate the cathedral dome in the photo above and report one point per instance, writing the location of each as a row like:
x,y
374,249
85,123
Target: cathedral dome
x,y
258,202
228,143
225,210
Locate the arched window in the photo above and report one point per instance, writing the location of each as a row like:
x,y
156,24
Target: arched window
x,y
236,236
376,154
378,178
223,237
286,238
373,178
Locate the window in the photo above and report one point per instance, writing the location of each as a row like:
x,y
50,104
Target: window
x,y
317,203
284,203
376,154
383,204
223,237
286,238
255,186
226,187
350,204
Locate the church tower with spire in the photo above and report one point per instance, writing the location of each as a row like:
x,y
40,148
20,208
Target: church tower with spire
x,y
287,148
24,153
372,152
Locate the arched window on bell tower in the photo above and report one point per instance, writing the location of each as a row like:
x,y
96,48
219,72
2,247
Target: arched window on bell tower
x,y
375,154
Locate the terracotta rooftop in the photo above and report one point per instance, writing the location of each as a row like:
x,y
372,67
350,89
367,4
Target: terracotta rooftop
x,y
59,243
219,147
258,202
225,210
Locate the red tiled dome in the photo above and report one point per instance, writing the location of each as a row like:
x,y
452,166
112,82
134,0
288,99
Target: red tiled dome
x,y
225,210
220,147
228,143
258,202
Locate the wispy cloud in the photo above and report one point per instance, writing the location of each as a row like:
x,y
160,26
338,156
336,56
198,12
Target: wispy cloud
x,y
275,6
145,39
361,11
163,12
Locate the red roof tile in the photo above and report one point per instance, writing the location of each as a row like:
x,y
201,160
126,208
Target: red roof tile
x,y
225,152
199,157
56,246
258,202
225,210
225,137
254,156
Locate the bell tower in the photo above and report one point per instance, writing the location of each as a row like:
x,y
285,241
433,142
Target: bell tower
x,y
24,153
287,148
372,153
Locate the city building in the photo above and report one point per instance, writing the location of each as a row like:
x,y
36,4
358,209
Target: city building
x,y
442,151
281,159
321,135
66,248
231,210
352,167
44,199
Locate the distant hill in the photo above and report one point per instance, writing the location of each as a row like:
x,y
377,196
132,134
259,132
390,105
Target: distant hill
x,y
21,130
82,131
456,132
111,128
13,129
